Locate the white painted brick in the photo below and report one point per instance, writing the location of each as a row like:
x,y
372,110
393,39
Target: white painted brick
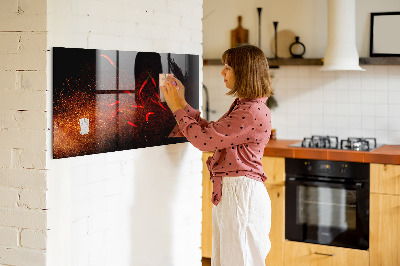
x,y
33,199
23,178
33,159
5,158
9,42
8,197
22,218
7,80
33,120
23,22
190,22
31,55
8,6
9,237
17,256
23,139
108,41
36,7
98,222
33,239
31,80
23,100
168,19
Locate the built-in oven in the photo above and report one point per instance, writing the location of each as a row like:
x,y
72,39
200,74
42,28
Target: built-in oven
x,y
327,202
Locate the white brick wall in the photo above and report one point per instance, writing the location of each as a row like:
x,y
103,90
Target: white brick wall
x,y
137,207
23,132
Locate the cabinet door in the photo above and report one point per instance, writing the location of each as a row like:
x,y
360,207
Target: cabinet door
x,y
385,178
304,254
384,229
274,168
206,232
277,233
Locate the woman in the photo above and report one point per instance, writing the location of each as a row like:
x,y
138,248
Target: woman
x,y
242,211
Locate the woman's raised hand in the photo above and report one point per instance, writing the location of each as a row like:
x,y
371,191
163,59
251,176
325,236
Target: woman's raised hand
x,y
174,93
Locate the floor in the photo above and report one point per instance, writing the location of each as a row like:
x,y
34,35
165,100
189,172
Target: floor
x,y
206,261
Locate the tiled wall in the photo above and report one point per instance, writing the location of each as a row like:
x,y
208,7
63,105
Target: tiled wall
x,y
313,102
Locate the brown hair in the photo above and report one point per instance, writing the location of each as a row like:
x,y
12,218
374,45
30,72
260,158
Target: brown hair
x,y
250,66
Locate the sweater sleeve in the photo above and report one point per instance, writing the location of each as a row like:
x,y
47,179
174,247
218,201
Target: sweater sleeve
x,y
231,130
193,113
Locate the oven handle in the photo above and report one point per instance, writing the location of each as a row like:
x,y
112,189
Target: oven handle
x,y
357,185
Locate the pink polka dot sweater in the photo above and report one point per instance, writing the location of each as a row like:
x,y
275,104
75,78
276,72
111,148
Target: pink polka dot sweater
x,y
238,139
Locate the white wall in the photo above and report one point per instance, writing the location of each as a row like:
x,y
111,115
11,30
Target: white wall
x,y
135,207
311,102
305,18
23,132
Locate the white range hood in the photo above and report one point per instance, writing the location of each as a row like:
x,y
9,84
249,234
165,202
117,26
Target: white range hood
x,y
341,51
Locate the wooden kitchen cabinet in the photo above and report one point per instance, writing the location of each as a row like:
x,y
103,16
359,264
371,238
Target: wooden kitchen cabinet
x,y
385,178
305,254
384,237
274,168
206,225
277,233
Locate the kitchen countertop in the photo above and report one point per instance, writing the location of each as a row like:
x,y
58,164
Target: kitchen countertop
x,y
389,154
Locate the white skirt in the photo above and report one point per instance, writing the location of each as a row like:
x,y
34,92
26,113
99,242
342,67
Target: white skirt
x,y
241,223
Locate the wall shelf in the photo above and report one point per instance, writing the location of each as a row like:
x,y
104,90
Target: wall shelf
x,y
274,63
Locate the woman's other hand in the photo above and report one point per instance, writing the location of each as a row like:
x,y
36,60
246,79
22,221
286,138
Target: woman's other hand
x,y
174,93
181,90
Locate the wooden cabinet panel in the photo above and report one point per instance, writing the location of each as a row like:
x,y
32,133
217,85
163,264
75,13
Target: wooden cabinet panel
x,y
274,168
305,254
277,233
385,178
206,232
384,229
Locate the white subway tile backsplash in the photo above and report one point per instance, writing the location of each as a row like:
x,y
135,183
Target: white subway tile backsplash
x,y
393,71
380,71
342,122
394,137
355,132
382,110
367,110
291,71
381,136
355,96
381,122
368,123
394,123
329,109
381,97
394,110
394,97
367,96
394,82
352,102
292,82
381,84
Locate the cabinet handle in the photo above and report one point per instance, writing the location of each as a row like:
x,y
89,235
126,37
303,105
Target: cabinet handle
x,y
325,254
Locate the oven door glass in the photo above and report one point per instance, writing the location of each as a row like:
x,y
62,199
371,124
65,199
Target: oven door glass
x,y
324,207
327,214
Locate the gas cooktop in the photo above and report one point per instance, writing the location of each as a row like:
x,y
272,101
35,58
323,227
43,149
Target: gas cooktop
x,y
332,142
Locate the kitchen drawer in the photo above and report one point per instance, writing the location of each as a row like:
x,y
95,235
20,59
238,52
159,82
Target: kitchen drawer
x,y
305,254
385,178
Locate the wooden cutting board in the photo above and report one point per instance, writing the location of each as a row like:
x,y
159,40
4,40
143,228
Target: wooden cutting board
x,y
239,35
